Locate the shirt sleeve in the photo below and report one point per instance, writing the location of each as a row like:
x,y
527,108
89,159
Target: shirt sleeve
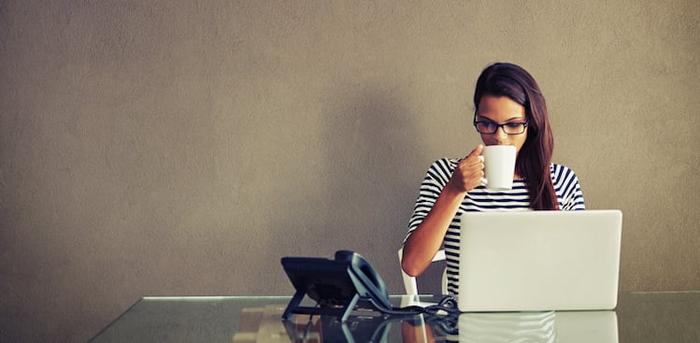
x,y
573,196
435,180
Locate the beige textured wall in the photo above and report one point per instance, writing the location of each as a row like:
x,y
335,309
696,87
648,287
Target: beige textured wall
x,y
174,147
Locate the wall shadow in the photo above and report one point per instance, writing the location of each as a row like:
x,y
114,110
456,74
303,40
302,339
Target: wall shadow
x,y
362,185
374,162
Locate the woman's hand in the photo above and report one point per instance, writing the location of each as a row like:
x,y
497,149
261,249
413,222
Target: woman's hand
x,y
469,172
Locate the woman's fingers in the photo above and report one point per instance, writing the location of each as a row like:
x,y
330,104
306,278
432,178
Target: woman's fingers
x,y
476,164
476,151
471,176
470,170
473,157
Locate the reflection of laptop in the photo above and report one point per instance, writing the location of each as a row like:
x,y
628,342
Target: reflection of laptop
x,y
568,326
539,260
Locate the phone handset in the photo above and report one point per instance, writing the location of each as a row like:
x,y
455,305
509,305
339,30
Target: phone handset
x,y
363,271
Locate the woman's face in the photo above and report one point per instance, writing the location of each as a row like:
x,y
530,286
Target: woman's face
x,y
502,110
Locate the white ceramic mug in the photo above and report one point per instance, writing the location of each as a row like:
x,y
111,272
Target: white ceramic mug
x,y
499,166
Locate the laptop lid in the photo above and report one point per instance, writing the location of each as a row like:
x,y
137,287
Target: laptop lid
x,y
539,260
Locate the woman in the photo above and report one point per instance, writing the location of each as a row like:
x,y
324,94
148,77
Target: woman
x,y
509,110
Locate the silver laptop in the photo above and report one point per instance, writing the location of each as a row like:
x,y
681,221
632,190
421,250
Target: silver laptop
x,y
539,260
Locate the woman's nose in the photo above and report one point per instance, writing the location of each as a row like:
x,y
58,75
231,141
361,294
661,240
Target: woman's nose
x,y
501,136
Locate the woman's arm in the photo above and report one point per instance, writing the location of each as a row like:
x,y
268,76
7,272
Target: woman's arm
x,y
425,240
571,190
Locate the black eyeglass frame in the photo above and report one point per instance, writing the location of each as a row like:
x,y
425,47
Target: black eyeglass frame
x,y
499,126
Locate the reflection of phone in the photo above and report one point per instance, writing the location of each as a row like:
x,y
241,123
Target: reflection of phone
x,y
330,329
336,285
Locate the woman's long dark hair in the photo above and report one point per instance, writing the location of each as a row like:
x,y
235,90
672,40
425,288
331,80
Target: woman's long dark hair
x,y
534,159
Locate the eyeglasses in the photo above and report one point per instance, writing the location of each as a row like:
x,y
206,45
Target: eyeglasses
x,y
488,127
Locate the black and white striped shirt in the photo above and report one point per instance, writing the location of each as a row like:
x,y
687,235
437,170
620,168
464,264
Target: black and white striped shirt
x,y
566,186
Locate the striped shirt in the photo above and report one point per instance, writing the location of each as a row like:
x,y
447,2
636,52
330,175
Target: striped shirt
x,y
565,182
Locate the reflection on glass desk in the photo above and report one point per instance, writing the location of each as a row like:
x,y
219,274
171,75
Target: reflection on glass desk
x,y
639,317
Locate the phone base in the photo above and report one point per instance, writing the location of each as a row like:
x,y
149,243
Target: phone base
x,y
341,312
